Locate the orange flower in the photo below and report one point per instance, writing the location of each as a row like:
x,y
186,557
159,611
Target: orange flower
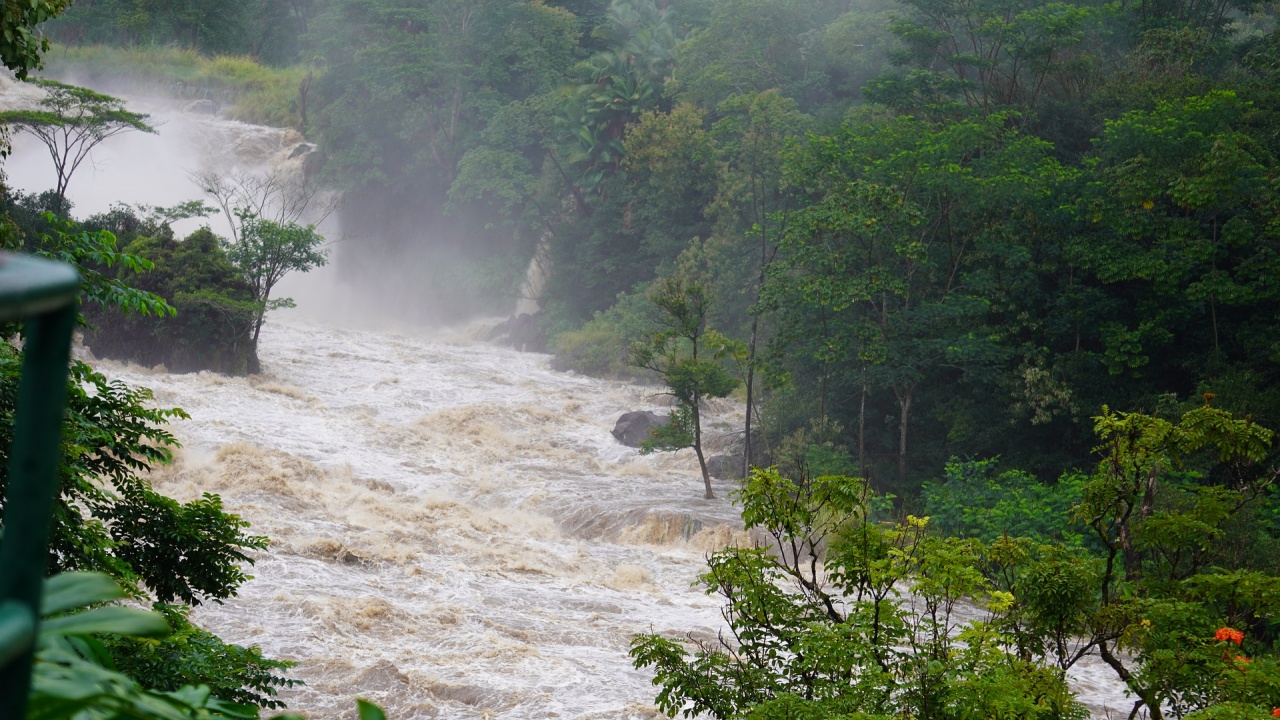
x,y
1275,712
1227,634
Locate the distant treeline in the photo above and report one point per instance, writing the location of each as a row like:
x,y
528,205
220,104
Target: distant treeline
x,y
976,222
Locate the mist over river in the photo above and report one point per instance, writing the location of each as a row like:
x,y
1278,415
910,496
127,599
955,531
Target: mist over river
x,y
454,531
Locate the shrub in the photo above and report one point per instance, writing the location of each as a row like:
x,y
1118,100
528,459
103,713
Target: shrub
x,y
601,346
974,501
213,329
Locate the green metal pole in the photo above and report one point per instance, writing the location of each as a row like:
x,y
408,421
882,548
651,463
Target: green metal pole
x,y
33,485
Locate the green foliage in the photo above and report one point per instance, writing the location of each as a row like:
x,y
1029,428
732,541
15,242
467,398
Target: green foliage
x,y
245,88
96,254
820,624
107,518
601,347
112,434
886,275
973,500
818,627
191,656
1167,556
22,44
168,538
673,352
264,251
215,307
268,30
1018,54
74,676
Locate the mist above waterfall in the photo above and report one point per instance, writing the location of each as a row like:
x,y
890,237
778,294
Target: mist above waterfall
x,y
382,271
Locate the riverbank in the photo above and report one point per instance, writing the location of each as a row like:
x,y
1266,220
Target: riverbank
x,y
236,86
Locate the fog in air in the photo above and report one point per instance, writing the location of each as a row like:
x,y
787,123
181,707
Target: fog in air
x,y
662,358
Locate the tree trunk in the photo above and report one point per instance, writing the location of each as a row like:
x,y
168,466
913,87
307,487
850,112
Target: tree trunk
x,y
904,417
706,476
1147,696
257,324
862,429
303,87
751,375
751,350
697,449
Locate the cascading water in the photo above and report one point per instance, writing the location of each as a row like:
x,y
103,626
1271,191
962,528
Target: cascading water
x,y
454,530
455,533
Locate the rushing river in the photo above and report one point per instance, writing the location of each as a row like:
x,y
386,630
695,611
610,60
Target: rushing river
x,y
454,531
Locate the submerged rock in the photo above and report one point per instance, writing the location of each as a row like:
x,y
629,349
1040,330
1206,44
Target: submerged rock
x,y
203,107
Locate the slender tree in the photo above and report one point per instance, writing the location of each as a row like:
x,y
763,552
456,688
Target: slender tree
x,y
683,352
71,122
266,251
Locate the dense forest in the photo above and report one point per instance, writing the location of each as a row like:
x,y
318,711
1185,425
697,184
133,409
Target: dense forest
x,y
951,230
998,281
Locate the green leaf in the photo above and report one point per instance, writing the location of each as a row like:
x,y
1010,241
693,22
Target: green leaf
x,y
108,619
72,590
369,711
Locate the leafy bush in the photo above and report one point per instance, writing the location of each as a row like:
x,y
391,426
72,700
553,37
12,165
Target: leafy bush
x,y
974,501
73,677
842,613
819,625
213,329
189,655
601,347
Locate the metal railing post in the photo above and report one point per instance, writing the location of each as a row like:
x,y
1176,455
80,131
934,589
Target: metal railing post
x,y
44,293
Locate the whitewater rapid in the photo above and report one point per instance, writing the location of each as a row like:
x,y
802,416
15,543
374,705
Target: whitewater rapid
x,y
454,531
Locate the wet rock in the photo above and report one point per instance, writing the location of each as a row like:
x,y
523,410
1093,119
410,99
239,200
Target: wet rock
x,y
725,467
314,162
302,149
637,426
523,332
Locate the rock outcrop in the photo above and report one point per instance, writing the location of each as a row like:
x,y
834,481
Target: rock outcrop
x,y
725,467
635,427
523,332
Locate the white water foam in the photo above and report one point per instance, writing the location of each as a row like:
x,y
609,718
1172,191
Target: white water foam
x,y
454,530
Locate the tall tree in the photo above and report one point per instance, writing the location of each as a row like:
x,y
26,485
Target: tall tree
x,y
753,204
684,354
71,122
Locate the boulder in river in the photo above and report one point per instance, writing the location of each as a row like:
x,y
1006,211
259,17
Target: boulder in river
x,y
725,467
637,426
523,332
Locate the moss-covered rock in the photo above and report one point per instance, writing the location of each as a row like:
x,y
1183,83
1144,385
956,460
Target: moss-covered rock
x,y
213,329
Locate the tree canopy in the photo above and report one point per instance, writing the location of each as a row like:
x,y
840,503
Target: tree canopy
x,y
71,122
